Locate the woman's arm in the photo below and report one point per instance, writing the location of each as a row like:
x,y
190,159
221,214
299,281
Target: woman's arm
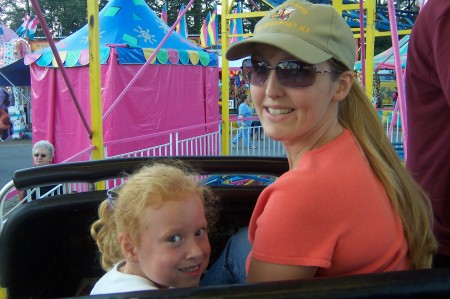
x,y
259,271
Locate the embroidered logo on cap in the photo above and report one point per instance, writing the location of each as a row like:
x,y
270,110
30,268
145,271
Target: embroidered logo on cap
x,y
284,13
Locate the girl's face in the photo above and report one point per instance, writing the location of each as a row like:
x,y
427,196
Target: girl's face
x,y
41,156
289,114
174,249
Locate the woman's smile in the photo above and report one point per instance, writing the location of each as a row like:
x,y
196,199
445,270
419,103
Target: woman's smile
x,y
278,111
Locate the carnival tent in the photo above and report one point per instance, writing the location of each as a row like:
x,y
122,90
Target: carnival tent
x,y
385,60
179,88
13,72
233,64
6,34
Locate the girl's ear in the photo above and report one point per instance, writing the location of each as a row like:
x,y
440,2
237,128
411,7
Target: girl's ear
x,y
128,248
345,82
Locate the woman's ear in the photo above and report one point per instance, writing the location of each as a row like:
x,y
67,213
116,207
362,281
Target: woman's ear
x,y
128,248
345,82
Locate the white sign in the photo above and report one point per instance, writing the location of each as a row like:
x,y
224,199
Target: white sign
x,y
231,104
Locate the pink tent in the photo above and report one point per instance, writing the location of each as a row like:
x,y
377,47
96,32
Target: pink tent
x,y
385,60
179,89
6,34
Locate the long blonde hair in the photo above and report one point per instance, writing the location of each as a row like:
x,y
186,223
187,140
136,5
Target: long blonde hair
x,y
151,185
407,197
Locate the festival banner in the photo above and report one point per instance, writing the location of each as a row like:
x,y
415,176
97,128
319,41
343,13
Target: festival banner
x,y
181,28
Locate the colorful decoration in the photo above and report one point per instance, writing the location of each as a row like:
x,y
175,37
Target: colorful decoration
x,y
181,28
28,27
213,28
204,36
236,26
164,13
239,180
385,60
138,30
6,34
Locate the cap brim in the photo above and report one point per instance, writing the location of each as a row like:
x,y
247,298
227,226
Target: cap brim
x,y
297,47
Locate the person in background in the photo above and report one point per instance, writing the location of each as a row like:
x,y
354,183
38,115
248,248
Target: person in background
x,y
43,153
347,205
394,97
427,85
245,125
5,121
152,231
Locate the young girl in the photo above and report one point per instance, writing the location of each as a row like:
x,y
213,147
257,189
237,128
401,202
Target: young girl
x,y
151,231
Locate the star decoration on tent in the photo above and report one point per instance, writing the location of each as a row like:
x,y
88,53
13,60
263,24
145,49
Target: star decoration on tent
x,y
145,34
85,39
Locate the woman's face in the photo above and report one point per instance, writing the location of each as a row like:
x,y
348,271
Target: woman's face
x,y
292,114
41,156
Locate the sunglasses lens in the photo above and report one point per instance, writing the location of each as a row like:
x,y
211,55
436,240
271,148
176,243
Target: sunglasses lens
x,y
289,73
255,72
42,155
295,74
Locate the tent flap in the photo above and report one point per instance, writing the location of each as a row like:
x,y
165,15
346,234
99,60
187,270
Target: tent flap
x,y
165,56
16,73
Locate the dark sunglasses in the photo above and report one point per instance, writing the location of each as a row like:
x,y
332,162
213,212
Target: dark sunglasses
x,y
42,155
290,73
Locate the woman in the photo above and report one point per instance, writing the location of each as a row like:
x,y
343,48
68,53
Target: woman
x,y
43,153
347,205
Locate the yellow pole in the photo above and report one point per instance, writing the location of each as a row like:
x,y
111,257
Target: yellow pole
x,y
225,81
95,83
370,45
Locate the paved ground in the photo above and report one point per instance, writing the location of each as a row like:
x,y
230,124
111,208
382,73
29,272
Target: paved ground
x,y
14,154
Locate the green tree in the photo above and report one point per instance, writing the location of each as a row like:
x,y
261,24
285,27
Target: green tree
x,y
63,17
194,16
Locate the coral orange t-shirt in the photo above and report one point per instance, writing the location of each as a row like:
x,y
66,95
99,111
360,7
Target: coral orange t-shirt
x,y
331,212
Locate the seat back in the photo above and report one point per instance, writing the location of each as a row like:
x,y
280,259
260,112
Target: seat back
x,y
46,248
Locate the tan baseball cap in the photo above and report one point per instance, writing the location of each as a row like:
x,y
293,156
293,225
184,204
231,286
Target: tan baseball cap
x,y
310,32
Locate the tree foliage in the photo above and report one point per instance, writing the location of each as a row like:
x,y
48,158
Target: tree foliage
x,y
64,17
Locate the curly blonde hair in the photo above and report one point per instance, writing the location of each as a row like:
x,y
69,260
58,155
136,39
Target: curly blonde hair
x,y
150,186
